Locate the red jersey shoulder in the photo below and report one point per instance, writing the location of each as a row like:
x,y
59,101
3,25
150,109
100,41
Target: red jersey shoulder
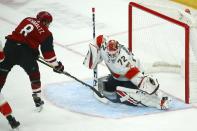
x,y
31,32
35,25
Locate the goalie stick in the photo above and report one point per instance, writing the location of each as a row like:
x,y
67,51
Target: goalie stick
x,y
95,70
96,92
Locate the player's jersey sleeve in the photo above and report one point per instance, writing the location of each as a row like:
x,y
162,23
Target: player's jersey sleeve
x,y
48,52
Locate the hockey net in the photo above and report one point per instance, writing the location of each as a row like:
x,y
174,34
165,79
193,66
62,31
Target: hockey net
x,y
164,39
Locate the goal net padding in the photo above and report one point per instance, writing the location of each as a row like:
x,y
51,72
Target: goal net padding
x,y
164,39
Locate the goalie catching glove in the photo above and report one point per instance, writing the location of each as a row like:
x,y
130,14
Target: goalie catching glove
x,y
59,68
147,83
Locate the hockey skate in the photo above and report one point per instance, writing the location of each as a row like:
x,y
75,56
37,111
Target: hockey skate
x,y
164,103
38,102
13,123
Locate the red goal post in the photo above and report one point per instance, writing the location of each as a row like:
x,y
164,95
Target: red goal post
x,y
185,27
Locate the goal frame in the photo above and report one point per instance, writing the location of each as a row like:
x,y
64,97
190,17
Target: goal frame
x,y
169,19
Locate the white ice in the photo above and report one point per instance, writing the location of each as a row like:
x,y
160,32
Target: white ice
x,y
72,30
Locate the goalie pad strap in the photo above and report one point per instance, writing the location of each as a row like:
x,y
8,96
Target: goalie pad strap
x,y
141,81
125,97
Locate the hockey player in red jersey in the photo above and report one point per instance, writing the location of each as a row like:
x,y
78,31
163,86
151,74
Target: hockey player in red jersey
x,y
22,48
127,81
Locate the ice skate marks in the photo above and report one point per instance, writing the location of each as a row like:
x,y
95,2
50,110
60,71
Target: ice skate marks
x,y
77,98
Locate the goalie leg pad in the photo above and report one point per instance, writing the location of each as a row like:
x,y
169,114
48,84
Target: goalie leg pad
x,y
126,99
143,98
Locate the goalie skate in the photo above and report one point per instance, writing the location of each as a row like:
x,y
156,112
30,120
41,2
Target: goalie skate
x,y
164,104
16,129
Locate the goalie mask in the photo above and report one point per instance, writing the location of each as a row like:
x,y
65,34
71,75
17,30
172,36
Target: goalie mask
x,y
112,49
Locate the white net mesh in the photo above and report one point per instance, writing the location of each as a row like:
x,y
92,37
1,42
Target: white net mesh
x,y
156,40
160,45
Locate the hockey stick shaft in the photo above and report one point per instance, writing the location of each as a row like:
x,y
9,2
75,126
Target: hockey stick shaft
x,y
93,22
95,70
41,60
95,73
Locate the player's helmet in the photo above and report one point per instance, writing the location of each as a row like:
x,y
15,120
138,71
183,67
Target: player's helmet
x,y
113,48
44,16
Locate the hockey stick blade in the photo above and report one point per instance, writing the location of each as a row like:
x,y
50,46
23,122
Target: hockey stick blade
x,y
101,99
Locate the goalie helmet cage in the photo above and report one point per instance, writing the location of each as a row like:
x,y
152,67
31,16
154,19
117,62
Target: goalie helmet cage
x,y
135,13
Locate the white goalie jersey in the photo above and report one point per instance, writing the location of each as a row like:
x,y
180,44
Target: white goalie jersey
x,y
122,65
119,61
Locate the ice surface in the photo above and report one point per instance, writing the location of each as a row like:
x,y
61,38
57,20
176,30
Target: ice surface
x,y
72,29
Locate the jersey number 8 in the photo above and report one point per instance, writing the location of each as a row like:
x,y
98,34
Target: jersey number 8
x,y
27,29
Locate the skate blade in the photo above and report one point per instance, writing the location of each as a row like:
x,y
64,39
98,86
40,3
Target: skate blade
x,y
39,109
15,129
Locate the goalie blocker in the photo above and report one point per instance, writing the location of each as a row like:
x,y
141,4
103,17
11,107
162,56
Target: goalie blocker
x,y
127,93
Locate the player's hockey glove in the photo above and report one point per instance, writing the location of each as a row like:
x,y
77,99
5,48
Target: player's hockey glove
x,y
59,68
